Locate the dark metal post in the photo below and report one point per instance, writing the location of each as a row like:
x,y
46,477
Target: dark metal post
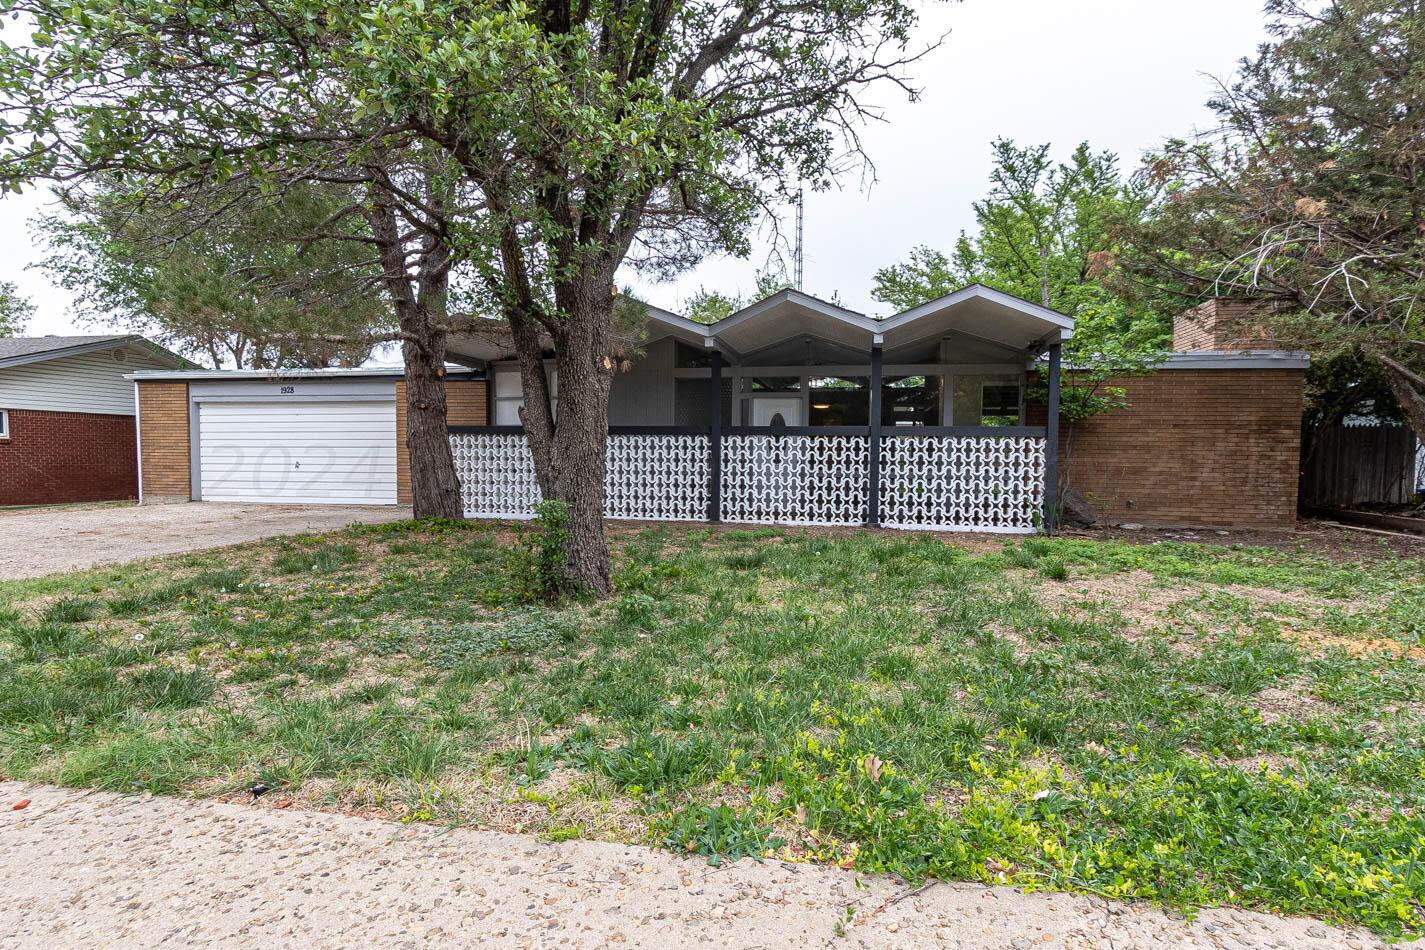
x,y
873,456
715,439
1051,443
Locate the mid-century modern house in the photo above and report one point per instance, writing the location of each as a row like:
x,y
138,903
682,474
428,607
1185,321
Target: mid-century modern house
x,y
67,416
793,410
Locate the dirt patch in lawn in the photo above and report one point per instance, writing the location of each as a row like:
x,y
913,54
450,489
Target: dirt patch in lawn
x,y
1318,643
1136,595
1337,544
1289,705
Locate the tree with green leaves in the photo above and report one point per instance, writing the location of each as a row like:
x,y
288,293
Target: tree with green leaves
x,y
557,143
710,306
15,309
1310,193
1045,232
240,289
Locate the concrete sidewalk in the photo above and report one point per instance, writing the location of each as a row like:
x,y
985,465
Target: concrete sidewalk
x,y
39,541
96,869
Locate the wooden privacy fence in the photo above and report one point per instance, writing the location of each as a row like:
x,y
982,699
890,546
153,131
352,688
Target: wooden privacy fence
x,y
1358,465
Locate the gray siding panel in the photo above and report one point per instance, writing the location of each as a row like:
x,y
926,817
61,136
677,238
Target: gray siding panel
x,y
644,396
90,382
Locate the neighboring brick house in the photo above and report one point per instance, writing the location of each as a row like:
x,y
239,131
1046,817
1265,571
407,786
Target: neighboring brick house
x,y
67,429
1213,437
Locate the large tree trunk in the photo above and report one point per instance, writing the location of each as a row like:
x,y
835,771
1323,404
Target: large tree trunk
x,y
581,436
569,446
435,491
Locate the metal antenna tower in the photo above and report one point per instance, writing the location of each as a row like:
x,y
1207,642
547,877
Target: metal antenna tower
x,y
798,261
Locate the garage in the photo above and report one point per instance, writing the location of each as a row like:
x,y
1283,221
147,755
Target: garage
x,y
340,452
301,437
296,440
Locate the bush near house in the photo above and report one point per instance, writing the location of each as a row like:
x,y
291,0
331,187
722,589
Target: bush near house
x,y
1189,723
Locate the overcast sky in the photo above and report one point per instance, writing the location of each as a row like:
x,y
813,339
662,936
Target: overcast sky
x,y
1120,74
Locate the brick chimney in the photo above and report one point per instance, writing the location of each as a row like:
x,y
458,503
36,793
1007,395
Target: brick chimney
x,y
1224,323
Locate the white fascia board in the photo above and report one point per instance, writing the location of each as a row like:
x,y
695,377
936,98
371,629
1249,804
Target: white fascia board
x,y
1064,323
148,375
752,311
1246,359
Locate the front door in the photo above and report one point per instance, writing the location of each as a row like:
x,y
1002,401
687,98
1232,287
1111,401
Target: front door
x,y
778,411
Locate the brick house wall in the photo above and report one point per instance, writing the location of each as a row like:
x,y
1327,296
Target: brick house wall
x,y
465,405
163,441
59,457
1194,447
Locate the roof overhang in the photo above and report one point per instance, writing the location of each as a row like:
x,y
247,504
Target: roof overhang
x,y
334,372
792,315
992,325
981,313
491,341
1236,359
98,346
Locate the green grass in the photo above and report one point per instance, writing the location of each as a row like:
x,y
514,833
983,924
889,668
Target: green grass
x,y
1188,723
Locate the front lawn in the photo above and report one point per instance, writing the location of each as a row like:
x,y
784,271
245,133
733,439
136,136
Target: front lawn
x,y
1190,723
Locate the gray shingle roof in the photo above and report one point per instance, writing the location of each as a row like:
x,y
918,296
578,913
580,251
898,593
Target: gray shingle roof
x,y
32,345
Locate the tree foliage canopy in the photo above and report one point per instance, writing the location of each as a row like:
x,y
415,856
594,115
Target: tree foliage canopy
x,y
577,132
710,306
15,309
242,289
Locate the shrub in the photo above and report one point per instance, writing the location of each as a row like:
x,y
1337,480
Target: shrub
x,y
538,562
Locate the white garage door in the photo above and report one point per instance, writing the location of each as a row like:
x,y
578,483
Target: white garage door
x,y
339,453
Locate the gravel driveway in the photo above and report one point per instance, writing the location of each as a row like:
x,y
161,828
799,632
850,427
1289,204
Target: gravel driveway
x,y
98,869
35,542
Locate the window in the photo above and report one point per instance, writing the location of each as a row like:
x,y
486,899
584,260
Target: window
x,y
839,401
985,400
4,423
773,384
509,394
912,401
999,404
